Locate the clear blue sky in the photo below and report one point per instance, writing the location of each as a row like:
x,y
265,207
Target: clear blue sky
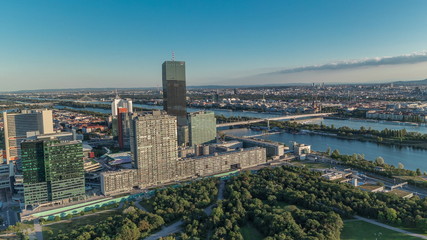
x,y
54,44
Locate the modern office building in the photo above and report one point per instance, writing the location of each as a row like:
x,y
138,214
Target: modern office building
x,y
174,96
154,147
53,171
119,106
6,171
17,125
121,103
174,90
124,118
202,127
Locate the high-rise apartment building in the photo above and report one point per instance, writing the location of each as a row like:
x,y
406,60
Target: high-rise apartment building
x,y
154,147
202,127
17,125
53,171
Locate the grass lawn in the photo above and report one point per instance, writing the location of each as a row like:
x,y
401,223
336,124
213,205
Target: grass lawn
x,y
311,164
19,227
360,230
415,178
249,232
69,225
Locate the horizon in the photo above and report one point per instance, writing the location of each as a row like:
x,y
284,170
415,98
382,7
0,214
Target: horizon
x,y
221,86
98,44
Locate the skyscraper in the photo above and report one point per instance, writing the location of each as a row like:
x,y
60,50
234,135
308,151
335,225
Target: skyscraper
x,y
17,125
174,90
154,147
53,171
121,103
202,127
123,123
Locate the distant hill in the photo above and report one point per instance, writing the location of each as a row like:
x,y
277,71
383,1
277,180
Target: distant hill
x,y
407,83
413,82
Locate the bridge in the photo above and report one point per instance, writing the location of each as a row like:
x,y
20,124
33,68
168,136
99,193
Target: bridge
x,y
289,117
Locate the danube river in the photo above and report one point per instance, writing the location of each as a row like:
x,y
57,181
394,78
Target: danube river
x,y
352,123
411,158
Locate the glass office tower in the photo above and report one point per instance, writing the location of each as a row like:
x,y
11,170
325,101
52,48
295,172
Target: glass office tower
x,y
53,171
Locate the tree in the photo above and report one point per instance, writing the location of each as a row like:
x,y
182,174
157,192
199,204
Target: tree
x,y
328,151
401,166
379,161
335,153
418,172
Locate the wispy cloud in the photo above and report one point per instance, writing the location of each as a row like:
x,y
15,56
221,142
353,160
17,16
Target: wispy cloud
x,y
412,58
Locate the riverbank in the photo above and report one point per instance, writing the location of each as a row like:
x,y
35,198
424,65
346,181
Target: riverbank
x,y
411,158
391,142
396,137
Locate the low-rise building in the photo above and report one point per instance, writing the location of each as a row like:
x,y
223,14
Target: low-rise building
x,y
115,182
273,149
371,187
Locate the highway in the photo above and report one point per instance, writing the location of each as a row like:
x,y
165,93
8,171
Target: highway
x,y
289,117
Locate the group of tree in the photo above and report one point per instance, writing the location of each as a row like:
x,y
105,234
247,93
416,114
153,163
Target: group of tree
x,y
254,198
397,135
257,199
168,205
378,166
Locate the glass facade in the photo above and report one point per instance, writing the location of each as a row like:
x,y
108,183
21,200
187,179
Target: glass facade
x,y
174,90
202,127
53,170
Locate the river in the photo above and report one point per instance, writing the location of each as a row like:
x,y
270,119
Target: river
x,y
411,158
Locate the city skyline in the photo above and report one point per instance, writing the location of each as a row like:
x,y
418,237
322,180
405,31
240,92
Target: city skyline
x,y
97,44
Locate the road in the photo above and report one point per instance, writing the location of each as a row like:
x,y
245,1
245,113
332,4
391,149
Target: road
x,y
390,227
176,227
140,206
171,229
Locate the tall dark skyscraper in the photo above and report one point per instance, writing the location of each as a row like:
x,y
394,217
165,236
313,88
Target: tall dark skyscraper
x,y
174,90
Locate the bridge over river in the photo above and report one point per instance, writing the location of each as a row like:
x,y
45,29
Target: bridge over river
x,y
288,117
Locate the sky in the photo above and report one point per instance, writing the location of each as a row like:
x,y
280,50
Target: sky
x,y
101,43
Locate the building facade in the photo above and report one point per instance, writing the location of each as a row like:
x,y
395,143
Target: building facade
x,y
115,182
202,127
52,171
154,147
121,103
174,90
17,125
174,96
124,118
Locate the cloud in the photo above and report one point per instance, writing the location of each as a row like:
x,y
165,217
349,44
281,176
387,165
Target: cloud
x,y
412,58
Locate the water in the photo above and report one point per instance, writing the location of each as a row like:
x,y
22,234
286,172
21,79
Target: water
x,y
411,158
226,113
376,125
352,123
99,110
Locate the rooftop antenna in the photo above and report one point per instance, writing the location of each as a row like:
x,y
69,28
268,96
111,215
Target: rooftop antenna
x,y
173,56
